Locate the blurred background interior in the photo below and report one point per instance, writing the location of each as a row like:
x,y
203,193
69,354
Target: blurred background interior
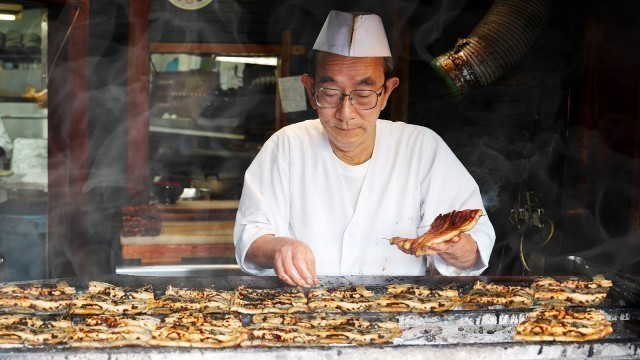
x,y
126,126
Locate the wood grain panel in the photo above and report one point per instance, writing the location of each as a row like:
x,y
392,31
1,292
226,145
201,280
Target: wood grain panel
x,y
173,254
187,232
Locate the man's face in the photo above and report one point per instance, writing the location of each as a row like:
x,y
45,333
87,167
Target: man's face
x,y
349,129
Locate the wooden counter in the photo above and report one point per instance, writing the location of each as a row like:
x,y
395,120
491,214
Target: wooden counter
x,y
189,229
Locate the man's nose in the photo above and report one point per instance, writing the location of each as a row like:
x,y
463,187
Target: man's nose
x,y
345,110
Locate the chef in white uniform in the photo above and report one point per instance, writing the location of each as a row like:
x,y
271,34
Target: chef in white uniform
x,y
324,196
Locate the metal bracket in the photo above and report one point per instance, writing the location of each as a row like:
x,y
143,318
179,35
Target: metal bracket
x,y
530,213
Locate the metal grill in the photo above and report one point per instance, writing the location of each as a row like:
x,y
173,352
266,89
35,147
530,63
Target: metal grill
x,y
457,334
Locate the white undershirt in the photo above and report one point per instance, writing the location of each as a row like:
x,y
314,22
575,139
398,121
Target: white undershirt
x,y
353,178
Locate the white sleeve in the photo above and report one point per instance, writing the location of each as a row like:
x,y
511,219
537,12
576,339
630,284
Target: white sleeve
x,y
263,205
448,186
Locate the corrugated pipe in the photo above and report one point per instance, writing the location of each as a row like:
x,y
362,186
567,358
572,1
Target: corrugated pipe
x,y
495,45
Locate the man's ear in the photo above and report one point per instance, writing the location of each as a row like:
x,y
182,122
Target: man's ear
x,y
390,84
307,81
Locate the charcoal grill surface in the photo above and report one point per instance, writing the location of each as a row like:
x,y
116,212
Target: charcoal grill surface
x,y
458,334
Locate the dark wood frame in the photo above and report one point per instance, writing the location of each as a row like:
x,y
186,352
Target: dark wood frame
x,y
138,74
68,128
69,124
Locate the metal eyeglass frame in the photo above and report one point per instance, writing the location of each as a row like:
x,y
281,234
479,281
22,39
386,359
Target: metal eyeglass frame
x,y
378,94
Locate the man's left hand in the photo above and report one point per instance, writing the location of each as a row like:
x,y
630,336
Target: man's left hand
x,y
460,251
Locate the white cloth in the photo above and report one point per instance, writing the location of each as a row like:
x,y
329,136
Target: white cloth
x,y
353,177
293,188
5,141
30,156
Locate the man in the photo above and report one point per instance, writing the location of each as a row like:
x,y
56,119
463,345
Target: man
x,y
324,196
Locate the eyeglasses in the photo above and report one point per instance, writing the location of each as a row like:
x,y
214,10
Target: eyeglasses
x,y
360,99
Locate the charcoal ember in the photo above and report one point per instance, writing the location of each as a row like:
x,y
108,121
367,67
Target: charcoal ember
x,y
140,220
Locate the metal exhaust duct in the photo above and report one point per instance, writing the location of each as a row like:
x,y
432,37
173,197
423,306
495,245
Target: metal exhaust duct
x,y
495,45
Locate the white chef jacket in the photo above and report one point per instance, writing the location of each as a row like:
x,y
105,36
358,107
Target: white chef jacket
x,y
293,188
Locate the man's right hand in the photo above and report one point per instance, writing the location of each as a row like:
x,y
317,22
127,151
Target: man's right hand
x,y
292,260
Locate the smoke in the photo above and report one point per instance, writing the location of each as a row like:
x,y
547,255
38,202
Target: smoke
x,y
437,18
591,210
492,171
499,164
86,248
228,19
92,247
598,245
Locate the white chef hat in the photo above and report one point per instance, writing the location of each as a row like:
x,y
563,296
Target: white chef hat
x,y
356,35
